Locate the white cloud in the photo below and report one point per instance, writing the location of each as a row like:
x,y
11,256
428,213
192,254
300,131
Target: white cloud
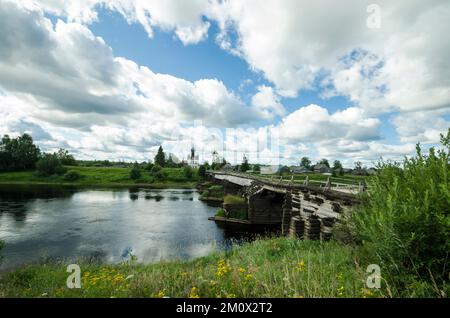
x,y
184,18
313,123
424,127
267,102
303,42
61,81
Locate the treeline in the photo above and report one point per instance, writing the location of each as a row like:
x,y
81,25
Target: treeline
x,y
21,153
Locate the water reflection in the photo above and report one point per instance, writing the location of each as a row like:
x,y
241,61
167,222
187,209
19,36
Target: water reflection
x,y
42,223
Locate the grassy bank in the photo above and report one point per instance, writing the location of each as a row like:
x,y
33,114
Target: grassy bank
x,y
277,267
103,176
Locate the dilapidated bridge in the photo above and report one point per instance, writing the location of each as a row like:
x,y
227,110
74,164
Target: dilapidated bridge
x,y
306,209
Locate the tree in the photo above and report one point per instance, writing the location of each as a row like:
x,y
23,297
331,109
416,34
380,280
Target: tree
x,y
18,153
244,166
337,168
160,158
135,172
188,172
324,162
358,165
66,158
256,168
49,164
305,162
202,171
170,163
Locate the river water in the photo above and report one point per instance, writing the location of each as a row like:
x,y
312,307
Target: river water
x,y
59,223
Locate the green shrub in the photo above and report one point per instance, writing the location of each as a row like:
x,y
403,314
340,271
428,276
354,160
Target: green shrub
x,y
233,199
159,176
188,172
72,175
155,169
49,164
135,172
240,214
404,220
220,212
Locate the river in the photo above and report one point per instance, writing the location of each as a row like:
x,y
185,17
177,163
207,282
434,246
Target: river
x,y
41,223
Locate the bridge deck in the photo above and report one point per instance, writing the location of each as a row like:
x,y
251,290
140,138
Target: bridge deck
x,y
283,185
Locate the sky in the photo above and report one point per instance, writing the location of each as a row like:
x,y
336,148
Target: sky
x,y
274,80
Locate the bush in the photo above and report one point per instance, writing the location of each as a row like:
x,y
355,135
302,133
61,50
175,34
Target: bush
x,y
220,212
135,172
202,171
49,164
404,220
233,199
188,172
72,175
240,214
155,169
160,176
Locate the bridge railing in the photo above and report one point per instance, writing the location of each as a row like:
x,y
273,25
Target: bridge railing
x,y
348,186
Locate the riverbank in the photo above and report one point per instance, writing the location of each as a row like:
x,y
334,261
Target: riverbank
x,y
103,177
275,267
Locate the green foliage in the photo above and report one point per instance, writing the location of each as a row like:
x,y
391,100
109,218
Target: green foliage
x,y
49,164
405,219
305,162
256,168
233,199
244,166
240,214
160,158
159,176
188,172
72,175
170,163
149,166
324,162
337,168
18,153
65,158
135,173
220,213
277,267
156,168
202,171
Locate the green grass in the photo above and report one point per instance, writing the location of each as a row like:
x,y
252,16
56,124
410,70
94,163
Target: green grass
x,y
233,199
213,193
220,212
277,267
103,176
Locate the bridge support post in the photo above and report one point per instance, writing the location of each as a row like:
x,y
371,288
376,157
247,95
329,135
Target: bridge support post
x,y
287,214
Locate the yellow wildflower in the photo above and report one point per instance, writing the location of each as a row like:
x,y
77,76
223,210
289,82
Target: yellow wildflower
x,y
194,293
161,294
300,266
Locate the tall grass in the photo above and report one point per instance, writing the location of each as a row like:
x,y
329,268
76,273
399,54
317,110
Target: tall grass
x,y
404,222
277,267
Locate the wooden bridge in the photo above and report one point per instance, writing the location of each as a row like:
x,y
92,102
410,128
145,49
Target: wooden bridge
x,y
303,208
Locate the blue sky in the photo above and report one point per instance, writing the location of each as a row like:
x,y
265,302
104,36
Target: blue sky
x,y
165,53
337,88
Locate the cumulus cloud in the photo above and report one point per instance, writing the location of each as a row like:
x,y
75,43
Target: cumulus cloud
x,y
406,59
184,18
314,123
70,74
64,85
